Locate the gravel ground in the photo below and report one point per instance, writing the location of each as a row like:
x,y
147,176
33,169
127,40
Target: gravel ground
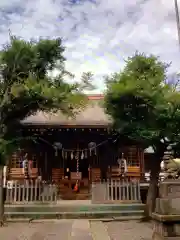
x,y
77,230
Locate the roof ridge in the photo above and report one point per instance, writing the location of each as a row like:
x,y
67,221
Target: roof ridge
x,y
95,96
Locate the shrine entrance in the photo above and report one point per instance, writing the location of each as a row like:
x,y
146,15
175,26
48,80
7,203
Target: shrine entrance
x,y
81,167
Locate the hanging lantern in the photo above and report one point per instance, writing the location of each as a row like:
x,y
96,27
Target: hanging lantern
x,y
92,147
57,146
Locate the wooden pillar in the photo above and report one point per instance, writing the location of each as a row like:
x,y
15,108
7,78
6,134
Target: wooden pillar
x,y
141,159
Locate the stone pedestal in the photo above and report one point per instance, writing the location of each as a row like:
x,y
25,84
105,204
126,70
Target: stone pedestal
x,y
167,213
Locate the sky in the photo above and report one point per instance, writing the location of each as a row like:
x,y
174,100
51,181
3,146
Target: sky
x,y
98,34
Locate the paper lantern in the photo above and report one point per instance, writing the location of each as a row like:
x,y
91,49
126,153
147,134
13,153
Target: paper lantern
x,y
58,145
92,147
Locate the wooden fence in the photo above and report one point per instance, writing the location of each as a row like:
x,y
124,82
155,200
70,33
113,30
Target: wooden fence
x,y
114,190
30,191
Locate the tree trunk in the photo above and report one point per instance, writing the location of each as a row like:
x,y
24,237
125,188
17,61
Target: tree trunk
x,y
153,189
1,197
153,185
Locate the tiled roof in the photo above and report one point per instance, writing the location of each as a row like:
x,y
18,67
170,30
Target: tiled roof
x,y
92,115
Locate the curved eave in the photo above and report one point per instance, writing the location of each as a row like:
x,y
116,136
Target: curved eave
x,y
70,125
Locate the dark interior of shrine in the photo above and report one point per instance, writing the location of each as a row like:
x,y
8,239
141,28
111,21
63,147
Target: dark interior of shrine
x,y
73,142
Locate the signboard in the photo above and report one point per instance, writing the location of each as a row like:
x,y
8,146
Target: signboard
x,y
76,176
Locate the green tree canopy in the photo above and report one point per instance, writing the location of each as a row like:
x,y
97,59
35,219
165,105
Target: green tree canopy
x,y
26,87
144,106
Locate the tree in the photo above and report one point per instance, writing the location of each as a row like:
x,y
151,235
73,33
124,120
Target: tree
x,y
146,108
26,87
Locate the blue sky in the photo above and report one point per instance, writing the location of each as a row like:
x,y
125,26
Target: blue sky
x,y
98,35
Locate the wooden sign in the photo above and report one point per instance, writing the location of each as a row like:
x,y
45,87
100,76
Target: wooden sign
x,y
76,176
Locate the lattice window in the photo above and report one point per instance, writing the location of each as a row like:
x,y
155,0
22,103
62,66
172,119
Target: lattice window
x,y
15,160
133,156
34,161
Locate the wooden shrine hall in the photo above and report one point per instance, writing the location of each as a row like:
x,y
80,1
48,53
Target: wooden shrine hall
x,y
84,149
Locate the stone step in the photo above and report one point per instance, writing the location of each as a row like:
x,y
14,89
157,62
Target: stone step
x,y
74,215
73,208
55,220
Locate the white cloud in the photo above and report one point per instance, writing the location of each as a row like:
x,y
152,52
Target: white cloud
x,y
99,35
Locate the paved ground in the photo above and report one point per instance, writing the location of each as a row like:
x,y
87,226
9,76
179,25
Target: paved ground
x,y
130,230
77,230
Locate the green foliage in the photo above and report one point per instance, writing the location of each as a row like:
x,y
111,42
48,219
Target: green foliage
x,y
87,81
19,58
7,147
143,106
26,87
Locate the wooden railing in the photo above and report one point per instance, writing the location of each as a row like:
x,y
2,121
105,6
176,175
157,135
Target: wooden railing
x,y
17,173
30,191
112,191
132,172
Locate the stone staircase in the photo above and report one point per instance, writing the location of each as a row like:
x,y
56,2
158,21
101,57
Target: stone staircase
x,y
75,210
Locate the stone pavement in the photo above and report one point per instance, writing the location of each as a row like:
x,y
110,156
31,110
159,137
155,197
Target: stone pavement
x,y
77,230
130,230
